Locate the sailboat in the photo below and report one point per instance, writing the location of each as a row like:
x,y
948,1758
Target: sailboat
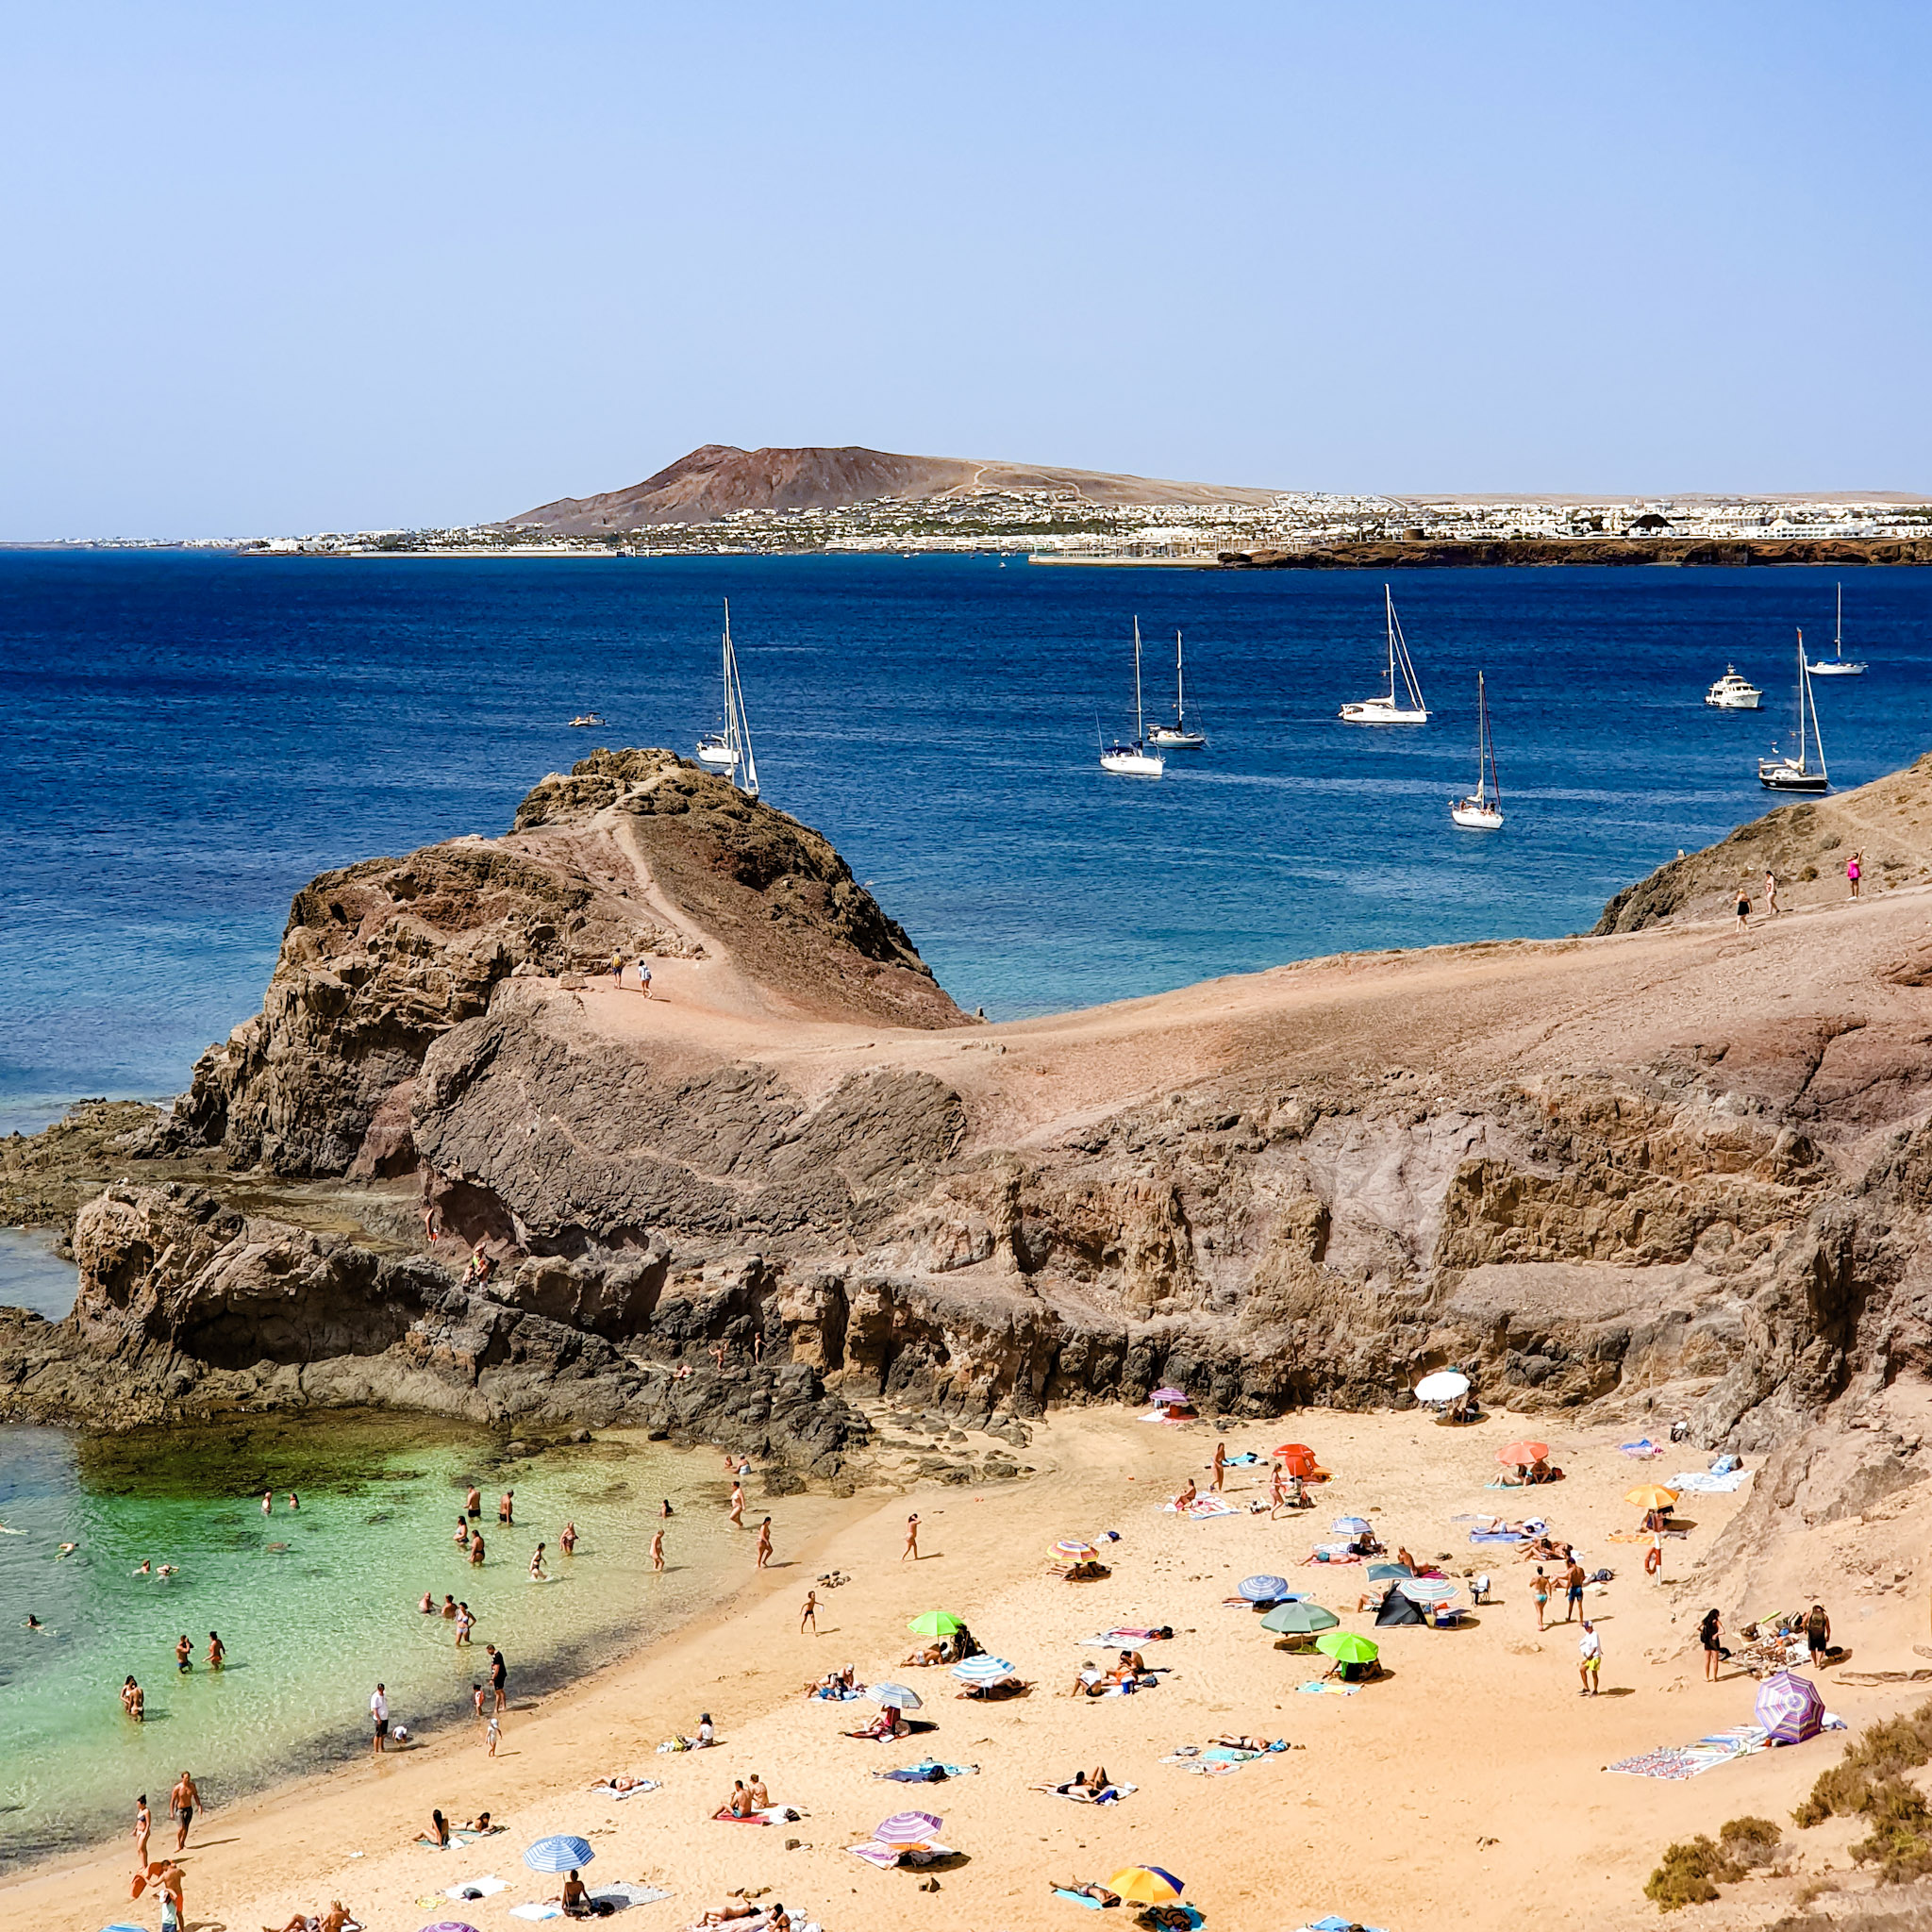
x,y
1835,665
1179,735
1133,760
1796,774
1482,811
729,751
1408,707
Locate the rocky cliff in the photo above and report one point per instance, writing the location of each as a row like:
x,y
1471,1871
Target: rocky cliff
x,y
1426,553
1677,1170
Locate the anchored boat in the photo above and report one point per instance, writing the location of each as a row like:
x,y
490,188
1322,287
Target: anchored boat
x,y
1403,706
1133,760
1482,811
729,751
1798,774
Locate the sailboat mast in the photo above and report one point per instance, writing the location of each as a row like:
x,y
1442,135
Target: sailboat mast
x,y
1140,734
1388,620
1838,629
1180,691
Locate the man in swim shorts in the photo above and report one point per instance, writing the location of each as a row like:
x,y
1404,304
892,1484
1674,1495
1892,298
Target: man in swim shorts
x,y
1589,1650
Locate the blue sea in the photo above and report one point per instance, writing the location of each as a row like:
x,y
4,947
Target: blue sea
x,y
192,736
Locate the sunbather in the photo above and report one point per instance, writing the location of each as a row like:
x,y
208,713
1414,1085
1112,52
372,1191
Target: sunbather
x,y
1241,1743
438,1834
1087,1890
1089,1683
1189,1493
574,1898
1088,1572
932,1654
619,1783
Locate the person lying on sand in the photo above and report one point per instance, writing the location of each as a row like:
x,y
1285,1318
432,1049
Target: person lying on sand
x,y
1241,1743
1085,1785
1087,1890
889,1724
1087,1571
776,1917
993,1693
1164,1919
480,1825
335,1920
932,1654
617,1784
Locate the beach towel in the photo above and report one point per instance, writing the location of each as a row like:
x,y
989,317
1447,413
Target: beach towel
x,y
1494,1536
1080,1898
625,1892
1336,1923
643,1784
479,1887
1202,1507
1644,1447
885,1856
927,1773
1123,1635
1110,1794
1323,1688
536,1912
1703,1482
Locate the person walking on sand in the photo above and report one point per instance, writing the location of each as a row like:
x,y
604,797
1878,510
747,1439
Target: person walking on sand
x,y
378,1717
617,969
912,1548
764,1545
1590,1658
808,1616
1710,1634
1277,1498
183,1802
1770,889
1743,910
1572,1589
492,1735
658,1552
1540,1595
643,979
737,1504
1854,870
1818,1635
1220,1461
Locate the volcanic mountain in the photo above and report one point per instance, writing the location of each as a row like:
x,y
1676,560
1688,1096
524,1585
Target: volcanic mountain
x,y
717,480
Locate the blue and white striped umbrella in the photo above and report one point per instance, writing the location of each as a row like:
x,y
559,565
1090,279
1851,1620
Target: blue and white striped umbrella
x,y
1427,1590
984,1670
1352,1525
899,1697
558,1853
1264,1589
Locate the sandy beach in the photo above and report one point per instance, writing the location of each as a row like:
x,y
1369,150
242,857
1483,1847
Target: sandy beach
x,y
1467,1788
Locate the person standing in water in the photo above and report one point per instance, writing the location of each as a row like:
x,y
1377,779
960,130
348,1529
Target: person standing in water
x,y
268,1502
184,1655
537,1572
658,1552
506,1507
475,1546
472,1503
568,1538
737,1504
143,1825
764,1545
217,1651
379,1716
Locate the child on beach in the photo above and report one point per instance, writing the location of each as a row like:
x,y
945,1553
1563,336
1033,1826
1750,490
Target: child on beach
x,y
492,1734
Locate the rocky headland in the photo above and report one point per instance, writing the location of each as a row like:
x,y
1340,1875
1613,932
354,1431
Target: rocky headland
x,y
1447,553
1667,1171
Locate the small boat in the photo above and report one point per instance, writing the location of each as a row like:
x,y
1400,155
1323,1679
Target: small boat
x,y
1408,707
1734,693
1180,734
1482,811
1133,760
588,718
1798,774
729,751
1835,665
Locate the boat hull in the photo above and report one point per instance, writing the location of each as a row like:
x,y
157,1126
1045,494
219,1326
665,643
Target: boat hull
x,y
1476,815
1752,703
1381,712
717,760
1783,777
1178,740
1831,669
1132,765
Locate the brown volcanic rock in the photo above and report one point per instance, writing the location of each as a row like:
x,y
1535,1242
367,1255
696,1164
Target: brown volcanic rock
x,y
717,480
1432,553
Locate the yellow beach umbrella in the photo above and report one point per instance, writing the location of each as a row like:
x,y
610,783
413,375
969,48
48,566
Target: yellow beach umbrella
x,y
1146,1884
1650,1496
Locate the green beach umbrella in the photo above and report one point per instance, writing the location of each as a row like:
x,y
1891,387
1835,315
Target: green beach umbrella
x,y
1299,1620
936,1623
1345,1647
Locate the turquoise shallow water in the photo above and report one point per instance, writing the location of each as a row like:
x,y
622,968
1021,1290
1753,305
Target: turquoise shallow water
x,y
316,1606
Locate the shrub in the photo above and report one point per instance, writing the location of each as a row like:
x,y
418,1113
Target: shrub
x,y
1749,1841
1876,1759
1687,1875
1900,1843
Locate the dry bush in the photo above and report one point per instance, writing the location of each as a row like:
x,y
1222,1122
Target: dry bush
x,y
1899,1744
1689,1874
1900,1843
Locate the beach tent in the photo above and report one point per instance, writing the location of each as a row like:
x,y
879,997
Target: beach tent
x,y
1445,1385
1264,1589
1397,1609
558,1853
1790,1708
1299,1620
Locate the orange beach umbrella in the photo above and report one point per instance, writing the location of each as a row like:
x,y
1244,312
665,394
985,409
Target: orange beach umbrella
x,y
1523,1452
1651,1496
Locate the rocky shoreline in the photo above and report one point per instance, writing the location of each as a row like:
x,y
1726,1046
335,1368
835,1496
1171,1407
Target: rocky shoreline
x,y
1475,552
808,1165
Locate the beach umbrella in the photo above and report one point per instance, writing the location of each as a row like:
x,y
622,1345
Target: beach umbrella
x,y
1445,1385
144,1928
936,1623
1790,1708
1299,1620
561,1853
1650,1496
908,1828
1166,1395
1523,1452
1297,1460
447,1926
1074,1549
984,1670
1264,1589
1289,1451
1350,1525
1427,1590
896,1695
1387,1573
1146,1884
1345,1647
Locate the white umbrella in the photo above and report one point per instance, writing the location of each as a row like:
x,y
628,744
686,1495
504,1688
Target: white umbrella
x,y
984,1670
1427,1590
1445,1385
897,1695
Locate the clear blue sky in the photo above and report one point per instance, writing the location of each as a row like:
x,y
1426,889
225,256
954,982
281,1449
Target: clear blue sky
x,y
276,268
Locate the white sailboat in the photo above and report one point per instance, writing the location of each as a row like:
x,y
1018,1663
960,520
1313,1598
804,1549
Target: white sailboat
x,y
1797,774
1133,760
729,751
1482,811
1180,734
1835,665
1405,707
